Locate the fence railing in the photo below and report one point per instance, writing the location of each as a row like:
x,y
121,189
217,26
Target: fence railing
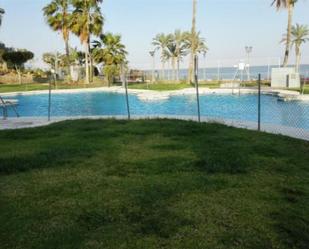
x,y
253,106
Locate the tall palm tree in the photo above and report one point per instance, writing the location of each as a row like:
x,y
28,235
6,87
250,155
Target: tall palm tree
x,y
160,42
299,36
193,35
110,51
58,17
289,5
179,38
170,54
2,12
197,45
175,50
87,20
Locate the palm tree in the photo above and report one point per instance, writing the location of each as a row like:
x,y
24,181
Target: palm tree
x,y
175,50
170,54
193,35
58,18
77,57
110,51
289,5
299,36
87,20
179,38
2,12
152,54
160,42
197,45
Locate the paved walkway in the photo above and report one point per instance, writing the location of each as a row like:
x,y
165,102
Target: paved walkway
x,y
18,123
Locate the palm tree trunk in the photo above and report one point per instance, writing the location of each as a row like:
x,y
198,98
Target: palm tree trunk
x,y
193,31
67,49
91,64
153,69
191,69
67,53
174,68
86,62
289,30
163,70
178,70
169,76
298,56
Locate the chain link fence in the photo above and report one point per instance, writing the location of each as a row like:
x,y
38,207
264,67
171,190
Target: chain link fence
x,y
238,102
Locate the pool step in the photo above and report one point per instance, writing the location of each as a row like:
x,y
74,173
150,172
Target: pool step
x,y
287,97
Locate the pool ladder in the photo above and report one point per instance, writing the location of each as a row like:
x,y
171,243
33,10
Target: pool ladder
x,y
4,104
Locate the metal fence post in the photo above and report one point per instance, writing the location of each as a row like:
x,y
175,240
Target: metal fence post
x,y
49,100
197,87
54,76
125,82
259,103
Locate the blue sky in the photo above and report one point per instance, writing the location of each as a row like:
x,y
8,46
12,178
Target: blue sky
x,y
227,25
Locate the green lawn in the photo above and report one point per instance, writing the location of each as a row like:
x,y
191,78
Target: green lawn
x,y
152,184
6,88
306,89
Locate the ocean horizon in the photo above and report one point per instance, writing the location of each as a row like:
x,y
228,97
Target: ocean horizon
x,y
227,73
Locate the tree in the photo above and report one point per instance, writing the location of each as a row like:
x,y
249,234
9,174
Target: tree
x,y
299,36
160,42
192,42
112,53
179,38
2,12
87,20
17,59
152,54
170,53
197,45
3,49
77,57
58,18
55,60
289,5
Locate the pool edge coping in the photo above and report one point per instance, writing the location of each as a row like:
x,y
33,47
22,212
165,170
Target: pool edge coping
x,y
33,122
149,95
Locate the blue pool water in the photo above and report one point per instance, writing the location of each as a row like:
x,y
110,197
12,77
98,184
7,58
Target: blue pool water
x,y
243,107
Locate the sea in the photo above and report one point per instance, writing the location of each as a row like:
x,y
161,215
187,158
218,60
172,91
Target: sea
x,y
227,73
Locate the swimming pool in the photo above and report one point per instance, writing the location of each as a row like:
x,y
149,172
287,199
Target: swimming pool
x,y
220,106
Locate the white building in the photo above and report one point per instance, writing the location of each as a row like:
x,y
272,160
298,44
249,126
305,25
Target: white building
x,y
285,77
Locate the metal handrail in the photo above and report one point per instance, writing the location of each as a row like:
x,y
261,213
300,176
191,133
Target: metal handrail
x,y
5,105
